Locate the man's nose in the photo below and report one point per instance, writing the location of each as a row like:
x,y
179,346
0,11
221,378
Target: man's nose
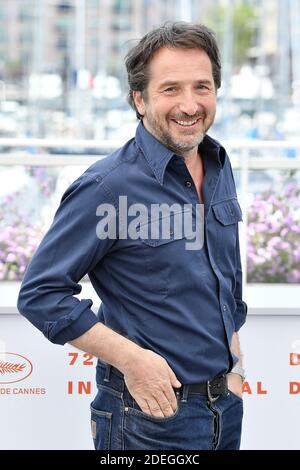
x,y
188,104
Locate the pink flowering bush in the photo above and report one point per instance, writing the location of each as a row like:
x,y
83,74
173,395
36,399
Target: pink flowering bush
x,y
20,232
273,254
18,240
46,178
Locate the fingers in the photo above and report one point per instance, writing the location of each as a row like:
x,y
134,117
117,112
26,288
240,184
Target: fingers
x,y
143,404
174,381
161,405
153,391
164,402
150,407
167,402
171,398
155,409
235,384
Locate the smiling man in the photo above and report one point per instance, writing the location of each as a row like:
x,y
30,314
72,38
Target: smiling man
x,y
169,372
179,104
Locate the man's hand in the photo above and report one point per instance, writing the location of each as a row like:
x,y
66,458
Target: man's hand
x,y
148,376
235,384
150,381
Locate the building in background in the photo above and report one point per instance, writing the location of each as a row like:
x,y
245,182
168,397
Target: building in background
x,y
43,34
62,63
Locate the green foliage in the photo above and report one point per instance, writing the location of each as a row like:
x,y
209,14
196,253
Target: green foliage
x,y
242,18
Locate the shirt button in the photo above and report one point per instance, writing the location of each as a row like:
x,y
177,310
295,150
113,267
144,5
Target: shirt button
x,y
224,308
188,184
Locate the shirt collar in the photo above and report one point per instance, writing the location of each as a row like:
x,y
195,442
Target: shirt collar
x,y
214,150
158,155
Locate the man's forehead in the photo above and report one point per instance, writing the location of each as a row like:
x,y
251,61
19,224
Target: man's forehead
x,y
169,64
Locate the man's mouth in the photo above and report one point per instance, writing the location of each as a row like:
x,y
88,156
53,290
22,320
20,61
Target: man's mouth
x,y
186,123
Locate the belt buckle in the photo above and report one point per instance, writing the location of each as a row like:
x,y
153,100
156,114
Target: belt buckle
x,y
223,392
210,397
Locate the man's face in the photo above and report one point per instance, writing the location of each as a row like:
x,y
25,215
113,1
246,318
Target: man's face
x,y
180,102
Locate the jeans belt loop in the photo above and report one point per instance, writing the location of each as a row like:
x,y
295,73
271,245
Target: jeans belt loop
x,y
185,392
107,373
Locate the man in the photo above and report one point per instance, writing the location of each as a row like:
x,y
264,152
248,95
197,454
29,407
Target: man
x,y
166,332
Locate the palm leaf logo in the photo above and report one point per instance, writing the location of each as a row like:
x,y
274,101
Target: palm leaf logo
x,y
10,367
14,367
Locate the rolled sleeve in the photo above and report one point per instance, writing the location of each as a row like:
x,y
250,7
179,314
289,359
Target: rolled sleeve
x,y
69,250
240,313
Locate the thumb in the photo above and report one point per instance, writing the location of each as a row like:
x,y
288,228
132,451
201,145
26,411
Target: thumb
x,y
174,381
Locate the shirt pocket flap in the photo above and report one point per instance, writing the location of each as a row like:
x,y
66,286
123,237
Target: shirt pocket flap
x,y
228,212
162,241
174,231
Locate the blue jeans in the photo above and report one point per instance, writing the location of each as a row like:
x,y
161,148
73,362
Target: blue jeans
x,y
119,424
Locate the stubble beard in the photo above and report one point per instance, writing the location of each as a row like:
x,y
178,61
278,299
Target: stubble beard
x,y
164,136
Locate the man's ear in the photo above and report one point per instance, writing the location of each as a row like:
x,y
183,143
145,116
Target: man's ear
x,y
139,102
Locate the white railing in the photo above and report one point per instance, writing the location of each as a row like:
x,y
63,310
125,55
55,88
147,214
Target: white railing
x,y
106,146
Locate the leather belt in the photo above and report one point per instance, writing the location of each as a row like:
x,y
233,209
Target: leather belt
x,y
212,388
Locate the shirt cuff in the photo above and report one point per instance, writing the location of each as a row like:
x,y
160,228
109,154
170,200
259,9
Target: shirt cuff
x,y
71,326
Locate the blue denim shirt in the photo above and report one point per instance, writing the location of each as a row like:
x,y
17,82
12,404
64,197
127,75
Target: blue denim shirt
x,y
182,304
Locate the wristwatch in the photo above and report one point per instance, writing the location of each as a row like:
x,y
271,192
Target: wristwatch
x,y
240,371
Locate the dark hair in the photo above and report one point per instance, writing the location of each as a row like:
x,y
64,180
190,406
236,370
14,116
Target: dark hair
x,y
172,34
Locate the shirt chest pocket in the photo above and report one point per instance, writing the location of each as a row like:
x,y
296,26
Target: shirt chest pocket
x,y
165,253
226,214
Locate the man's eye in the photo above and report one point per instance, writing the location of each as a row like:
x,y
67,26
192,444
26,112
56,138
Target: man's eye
x,y
170,89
